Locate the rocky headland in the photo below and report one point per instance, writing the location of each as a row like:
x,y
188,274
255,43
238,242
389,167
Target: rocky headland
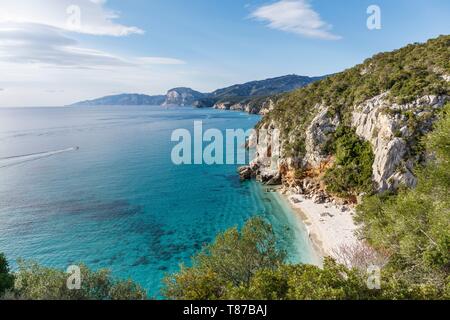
x,y
352,135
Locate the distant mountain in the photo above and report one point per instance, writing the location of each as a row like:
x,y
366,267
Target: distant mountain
x,y
254,96
250,96
265,87
183,97
124,100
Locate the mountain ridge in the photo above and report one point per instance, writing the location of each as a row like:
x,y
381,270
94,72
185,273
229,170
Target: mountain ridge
x,y
129,99
250,96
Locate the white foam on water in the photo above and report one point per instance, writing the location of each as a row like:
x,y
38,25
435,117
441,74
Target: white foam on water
x,y
11,161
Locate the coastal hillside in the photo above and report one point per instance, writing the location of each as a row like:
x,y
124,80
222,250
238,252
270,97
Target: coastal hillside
x,y
123,100
378,135
359,131
253,97
182,97
265,87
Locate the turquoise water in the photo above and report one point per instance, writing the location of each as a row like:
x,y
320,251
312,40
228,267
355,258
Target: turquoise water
x,y
97,185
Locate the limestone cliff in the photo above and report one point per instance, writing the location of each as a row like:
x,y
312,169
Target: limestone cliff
x,y
182,97
390,101
261,106
389,135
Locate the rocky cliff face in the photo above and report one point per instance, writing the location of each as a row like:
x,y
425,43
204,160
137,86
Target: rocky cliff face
x,y
376,111
264,88
261,106
318,135
382,123
386,127
182,97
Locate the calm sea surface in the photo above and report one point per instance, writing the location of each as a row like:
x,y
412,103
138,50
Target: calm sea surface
x,y
97,185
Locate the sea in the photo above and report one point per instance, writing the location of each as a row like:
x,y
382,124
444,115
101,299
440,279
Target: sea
x,y
97,185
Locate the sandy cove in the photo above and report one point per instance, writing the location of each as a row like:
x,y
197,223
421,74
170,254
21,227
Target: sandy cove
x,y
329,226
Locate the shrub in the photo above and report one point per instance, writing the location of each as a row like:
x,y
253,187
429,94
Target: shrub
x,y
34,282
6,278
352,171
232,260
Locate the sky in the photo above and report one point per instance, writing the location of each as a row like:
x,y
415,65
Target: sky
x,y
57,52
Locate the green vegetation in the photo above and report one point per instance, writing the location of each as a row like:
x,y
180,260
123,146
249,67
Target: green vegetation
x,y
232,260
247,265
352,171
408,73
236,269
256,92
6,278
34,282
304,282
414,225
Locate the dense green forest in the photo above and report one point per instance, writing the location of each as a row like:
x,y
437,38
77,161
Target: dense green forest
x,y
352,170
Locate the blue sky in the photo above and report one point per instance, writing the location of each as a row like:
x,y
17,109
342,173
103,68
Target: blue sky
x,y
150,46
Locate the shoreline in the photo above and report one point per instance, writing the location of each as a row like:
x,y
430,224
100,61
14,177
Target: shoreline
x,y
329,226
303,249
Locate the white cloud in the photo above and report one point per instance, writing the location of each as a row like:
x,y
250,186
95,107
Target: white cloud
x,y
25,43
160,61
295,16
34,85
94,17
43,63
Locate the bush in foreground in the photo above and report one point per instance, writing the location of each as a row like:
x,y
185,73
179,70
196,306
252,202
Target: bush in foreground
x,y
6,278
35,282
215,275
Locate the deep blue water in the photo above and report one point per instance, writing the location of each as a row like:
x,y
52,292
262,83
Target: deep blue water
x,y
118,202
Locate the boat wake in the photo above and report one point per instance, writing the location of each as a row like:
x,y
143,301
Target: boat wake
x,y
11,161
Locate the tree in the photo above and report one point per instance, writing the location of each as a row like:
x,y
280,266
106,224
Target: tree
x,y
305,282
246,266
352,170
6,278
232,260
34,282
